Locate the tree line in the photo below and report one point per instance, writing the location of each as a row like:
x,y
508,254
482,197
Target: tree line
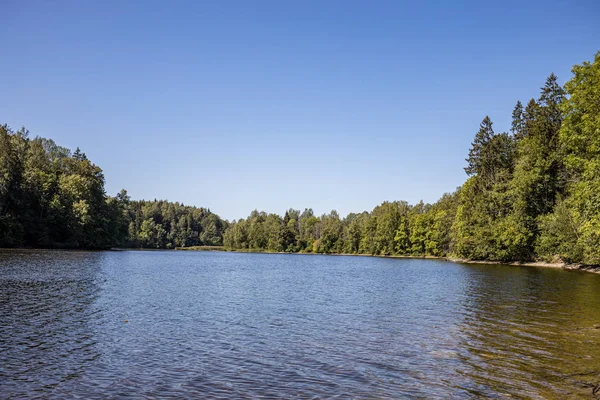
x,y
532,193
391,228
51,197
165,225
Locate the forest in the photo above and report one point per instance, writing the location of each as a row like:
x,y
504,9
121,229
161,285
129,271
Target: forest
x,y
51,197
532,193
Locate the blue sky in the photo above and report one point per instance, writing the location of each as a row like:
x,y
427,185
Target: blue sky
x,y
237,105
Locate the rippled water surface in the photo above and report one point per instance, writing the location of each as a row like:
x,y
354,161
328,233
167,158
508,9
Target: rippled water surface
x,y
210,324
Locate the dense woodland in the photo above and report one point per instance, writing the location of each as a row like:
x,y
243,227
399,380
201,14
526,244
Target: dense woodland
x,y
53,198
532,193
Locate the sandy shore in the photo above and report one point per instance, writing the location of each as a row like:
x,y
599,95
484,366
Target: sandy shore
x,y
538,264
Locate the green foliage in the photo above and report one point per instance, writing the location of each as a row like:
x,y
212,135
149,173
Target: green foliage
x,y
559,236
50,197
572,231
508,209
392,228
478,160
518,122
166,225
533,193
485,201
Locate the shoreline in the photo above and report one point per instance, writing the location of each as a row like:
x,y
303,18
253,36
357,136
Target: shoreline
x,y
536,264
594,269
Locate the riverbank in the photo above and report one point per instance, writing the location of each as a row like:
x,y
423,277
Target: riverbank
x,y
595,269
537,264
202,248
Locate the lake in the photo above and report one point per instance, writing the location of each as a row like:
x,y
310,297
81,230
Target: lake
x,y
228,325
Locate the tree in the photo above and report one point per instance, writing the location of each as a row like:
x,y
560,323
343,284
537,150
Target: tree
x,y
518,123
572,231
288,231
330,240
477,161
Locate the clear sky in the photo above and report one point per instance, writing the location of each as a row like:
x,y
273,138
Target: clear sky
x,y
237,105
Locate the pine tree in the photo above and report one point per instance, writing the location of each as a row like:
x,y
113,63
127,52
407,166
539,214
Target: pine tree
x,y
518,125
476,153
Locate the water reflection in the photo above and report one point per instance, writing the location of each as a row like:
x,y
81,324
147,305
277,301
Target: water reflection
x,y
224,325
530,332
46,308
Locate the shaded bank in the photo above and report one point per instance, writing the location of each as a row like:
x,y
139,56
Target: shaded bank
x,y
202,248
537,264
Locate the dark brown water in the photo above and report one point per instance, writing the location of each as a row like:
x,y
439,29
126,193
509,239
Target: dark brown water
x,y
224,325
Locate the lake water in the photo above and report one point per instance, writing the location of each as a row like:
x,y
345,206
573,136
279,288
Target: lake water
x,y
226,325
